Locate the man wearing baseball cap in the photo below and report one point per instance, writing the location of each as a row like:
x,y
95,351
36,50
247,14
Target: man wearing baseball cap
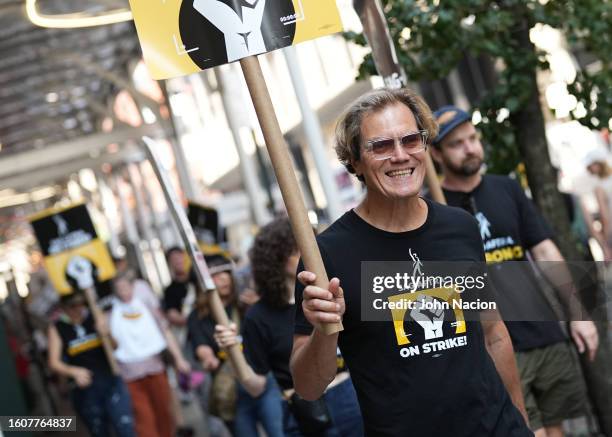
x,y
510,227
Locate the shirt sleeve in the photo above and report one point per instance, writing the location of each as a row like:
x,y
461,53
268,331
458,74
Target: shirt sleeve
x,y
256,346
533,227
197,334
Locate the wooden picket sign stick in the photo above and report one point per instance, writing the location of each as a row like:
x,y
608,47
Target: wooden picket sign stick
x,y
242,369
435,189
287,181
96,313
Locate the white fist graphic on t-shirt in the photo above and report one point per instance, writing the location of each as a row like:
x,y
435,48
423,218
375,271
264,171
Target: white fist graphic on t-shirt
x,y
243,37
429,317
81,270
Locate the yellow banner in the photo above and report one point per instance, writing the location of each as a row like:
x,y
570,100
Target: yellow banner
x,y
182,37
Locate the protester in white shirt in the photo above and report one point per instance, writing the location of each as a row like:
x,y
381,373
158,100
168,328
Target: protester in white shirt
x,y
141,335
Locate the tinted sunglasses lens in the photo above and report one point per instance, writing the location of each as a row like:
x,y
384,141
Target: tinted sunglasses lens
x,y
382,147
412,141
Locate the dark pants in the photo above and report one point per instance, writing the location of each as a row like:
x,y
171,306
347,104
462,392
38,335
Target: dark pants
x,y
105,400
343,408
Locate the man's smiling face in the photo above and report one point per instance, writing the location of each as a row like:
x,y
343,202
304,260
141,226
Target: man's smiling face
x,y
401,175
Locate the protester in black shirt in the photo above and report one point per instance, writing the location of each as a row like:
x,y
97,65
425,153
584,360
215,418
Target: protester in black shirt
x,y
267,334
218,393
177,297
382,138
201,325
75,351
178,300
510,227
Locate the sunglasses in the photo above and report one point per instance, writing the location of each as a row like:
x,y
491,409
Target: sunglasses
x,y
384,148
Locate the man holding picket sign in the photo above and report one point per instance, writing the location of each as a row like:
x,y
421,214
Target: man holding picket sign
x,y
459,390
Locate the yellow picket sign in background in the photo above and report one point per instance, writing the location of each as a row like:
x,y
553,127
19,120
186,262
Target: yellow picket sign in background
x,y
67,232
182,37
95,251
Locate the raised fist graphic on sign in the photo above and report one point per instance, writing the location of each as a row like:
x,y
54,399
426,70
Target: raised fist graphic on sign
x,y
428,315
81,270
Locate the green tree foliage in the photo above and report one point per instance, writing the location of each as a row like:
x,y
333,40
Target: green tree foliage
x,y
431,37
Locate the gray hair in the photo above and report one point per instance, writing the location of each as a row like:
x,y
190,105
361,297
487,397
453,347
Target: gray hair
x,y
348,129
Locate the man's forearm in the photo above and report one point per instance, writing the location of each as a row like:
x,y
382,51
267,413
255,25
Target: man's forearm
x,y
561,279
551,263
313,363
500,349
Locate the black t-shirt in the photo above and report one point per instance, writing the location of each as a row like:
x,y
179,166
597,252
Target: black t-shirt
x,y
81,345
267,333
174,295
200,331
456,391
509,226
